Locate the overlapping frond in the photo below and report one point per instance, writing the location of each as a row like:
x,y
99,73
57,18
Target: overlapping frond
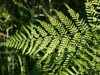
x,y
68,24
61,46
80,23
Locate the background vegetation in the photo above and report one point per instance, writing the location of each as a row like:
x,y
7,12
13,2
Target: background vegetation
x,y
75,41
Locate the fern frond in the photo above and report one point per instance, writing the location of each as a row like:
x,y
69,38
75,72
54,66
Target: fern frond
x,y
48,27
27,31
93,14
61,50
37,43
31,46
62,45
81,24
33,32
51,48
43,45
67,22
25,47
56,24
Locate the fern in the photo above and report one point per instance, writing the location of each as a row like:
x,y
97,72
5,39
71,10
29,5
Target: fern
x,y
62,46
67,22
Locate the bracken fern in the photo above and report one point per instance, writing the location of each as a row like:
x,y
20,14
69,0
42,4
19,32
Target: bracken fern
x,y
62,46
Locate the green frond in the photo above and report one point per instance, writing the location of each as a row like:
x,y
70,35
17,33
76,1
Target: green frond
x,y
58,25
43,45
67,22
37,43
33,32
61,50
22,43
41,31
81,24
63,45
31,46
51,48
48,27
27,31
25,46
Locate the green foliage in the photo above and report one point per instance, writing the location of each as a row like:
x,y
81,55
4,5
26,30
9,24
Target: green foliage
x,y
60,46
